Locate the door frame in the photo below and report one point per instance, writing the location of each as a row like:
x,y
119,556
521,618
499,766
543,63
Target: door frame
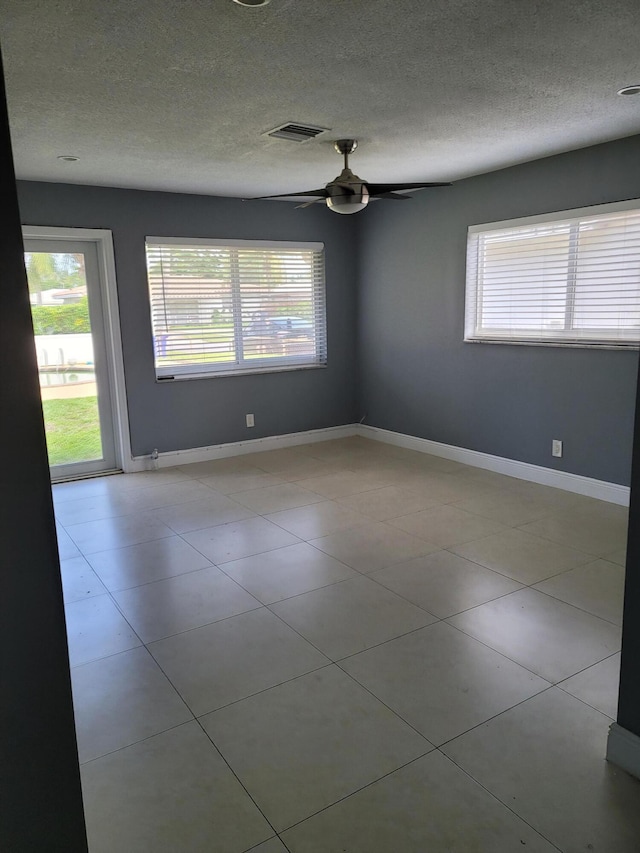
x,y
103,240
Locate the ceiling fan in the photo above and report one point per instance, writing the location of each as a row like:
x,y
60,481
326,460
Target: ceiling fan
x,y
348,193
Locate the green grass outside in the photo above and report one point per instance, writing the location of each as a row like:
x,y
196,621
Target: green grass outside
x,y
73,429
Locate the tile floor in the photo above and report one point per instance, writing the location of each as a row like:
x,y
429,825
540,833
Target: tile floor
x,y
344,646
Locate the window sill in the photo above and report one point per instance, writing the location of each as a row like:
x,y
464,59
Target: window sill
x,y
565,344
218,374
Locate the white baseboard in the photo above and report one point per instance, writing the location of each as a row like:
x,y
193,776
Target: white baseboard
x,y
239,448
623,749
600,489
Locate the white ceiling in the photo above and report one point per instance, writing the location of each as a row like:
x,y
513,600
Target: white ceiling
x,y
176,95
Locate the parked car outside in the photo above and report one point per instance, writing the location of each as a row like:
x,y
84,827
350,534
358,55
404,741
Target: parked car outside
x,y
290,327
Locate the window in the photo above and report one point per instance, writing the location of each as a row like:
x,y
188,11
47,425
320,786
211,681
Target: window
x,y
571,279
235,306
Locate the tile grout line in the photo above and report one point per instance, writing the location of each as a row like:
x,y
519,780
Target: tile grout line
x,y
498,800
240,782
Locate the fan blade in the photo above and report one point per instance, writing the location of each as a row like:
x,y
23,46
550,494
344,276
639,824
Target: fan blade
x,y
308,203
379,189
318,193
397,196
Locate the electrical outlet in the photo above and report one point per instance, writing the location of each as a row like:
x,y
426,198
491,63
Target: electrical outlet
x,y
250,421
556,447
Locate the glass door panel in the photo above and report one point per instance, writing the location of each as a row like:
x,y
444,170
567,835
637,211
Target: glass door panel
x,y
66,307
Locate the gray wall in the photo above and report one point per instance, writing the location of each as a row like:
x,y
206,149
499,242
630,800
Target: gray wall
x,y
184,414
417,376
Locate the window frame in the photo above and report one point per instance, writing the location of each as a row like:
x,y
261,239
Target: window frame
x,y
244,367
565,337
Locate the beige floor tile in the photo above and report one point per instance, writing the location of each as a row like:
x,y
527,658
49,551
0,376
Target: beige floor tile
x,y
79,580
240,481
389,502
276,498
444,583
228,465
170,792
169,494
144,479
273,461
396,452
490,478
440,486
67,548
196,515
596,587
120,700
509,507
545,760
91,508
440,463
274,845
338,448
318,519
221,663
550,494
348,617
79,489
441,681
360,460
446,526
285,572
547,636
239,539
94,536
169,606
597,686
334,486
521,556
123,568
417,461
388,468
95,629
597,532
368,547
429,805
619,556
303,745
307,468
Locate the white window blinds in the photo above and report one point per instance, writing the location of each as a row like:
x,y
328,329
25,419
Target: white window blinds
x,y
235,306
562,279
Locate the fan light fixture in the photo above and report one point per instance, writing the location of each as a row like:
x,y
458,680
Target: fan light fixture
x,y
357,198
252,2
630,90
68,158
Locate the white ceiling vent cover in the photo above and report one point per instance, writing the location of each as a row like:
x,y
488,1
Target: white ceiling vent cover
x,y
296,132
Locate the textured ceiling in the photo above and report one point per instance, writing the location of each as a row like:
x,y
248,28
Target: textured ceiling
x,y
176,95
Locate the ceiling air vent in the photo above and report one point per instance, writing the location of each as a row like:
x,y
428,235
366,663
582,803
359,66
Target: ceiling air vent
x,y
296,132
